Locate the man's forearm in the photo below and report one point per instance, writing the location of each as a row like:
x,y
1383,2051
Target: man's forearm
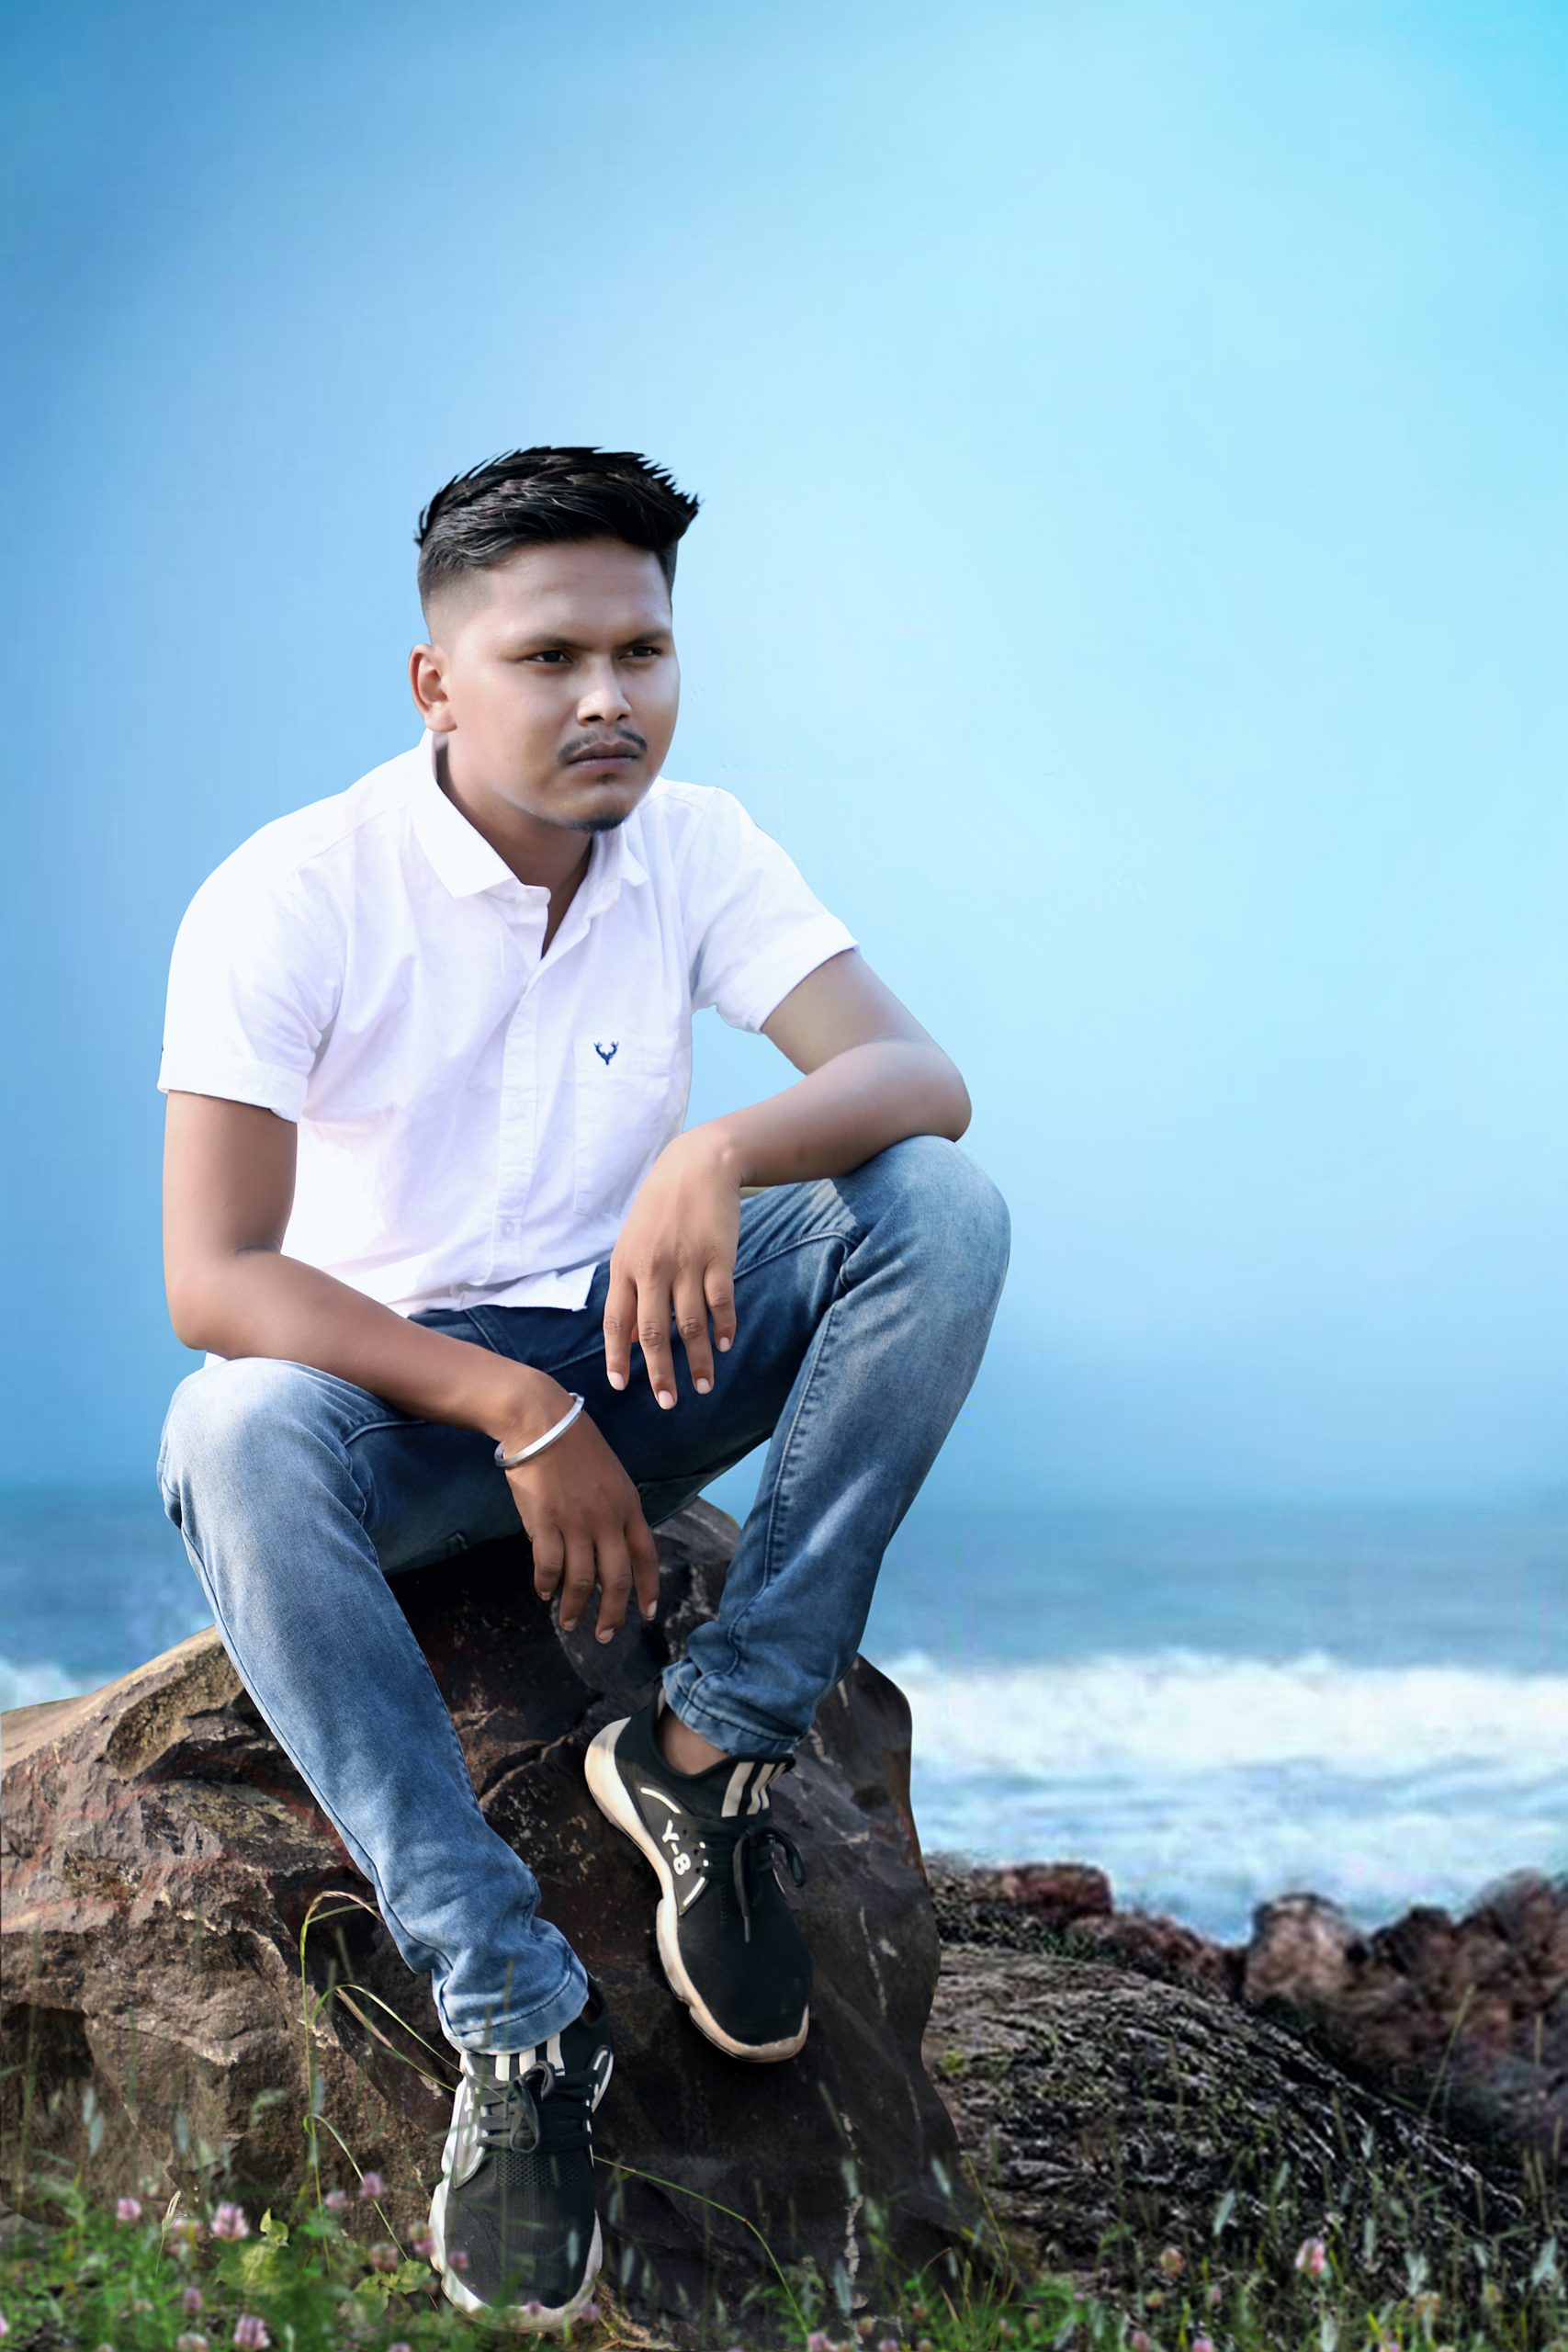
x,y
838,1115
259,1303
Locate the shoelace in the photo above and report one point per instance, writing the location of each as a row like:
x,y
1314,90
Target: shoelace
x,y
509,2115
751,1844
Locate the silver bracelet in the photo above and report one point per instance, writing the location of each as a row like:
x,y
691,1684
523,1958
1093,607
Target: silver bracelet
x,y
509,1460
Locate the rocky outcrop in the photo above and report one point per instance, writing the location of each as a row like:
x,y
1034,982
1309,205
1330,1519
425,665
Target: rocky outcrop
x,y
162,1857
1112,2117
1123,2085
1466,2018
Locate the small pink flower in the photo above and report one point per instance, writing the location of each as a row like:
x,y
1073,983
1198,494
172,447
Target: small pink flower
x,y
191,2300
400,2346
336,2200
385,2257
888,2343
818,2342
190,2344
230,2221
1311,2254
456,2257
1202,2343
1216,2296
5,2325
1171,2261
1140,2342
250,2333
425,2248
372,2185
588,2314
127,2209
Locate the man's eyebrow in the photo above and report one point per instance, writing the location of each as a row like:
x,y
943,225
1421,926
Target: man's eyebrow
x,y
543,640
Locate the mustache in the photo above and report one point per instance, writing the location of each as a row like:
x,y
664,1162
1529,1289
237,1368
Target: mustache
x,y
622,742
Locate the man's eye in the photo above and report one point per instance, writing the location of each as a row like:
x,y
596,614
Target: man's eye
x,y
654,650
547,653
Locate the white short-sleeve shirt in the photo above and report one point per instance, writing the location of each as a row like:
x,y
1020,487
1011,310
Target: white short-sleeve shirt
x,y
474,1123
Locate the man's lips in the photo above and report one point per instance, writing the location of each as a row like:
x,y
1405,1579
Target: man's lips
x,y
603,754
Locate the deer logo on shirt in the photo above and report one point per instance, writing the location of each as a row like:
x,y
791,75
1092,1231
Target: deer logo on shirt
x,y
607,1053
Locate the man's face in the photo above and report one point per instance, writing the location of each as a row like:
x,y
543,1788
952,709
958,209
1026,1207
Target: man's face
x,y
539,662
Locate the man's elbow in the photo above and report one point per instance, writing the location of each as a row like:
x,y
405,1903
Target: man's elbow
x,y
185,1316
954,1108
192,1294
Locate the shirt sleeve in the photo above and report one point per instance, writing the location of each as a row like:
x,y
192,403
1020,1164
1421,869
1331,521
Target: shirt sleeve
x,y
753,928
253,983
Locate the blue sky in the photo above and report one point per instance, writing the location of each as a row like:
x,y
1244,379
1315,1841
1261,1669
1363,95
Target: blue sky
x,y
1130,581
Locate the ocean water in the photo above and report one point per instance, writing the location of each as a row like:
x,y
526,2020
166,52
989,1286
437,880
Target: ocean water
x,y
1213,1707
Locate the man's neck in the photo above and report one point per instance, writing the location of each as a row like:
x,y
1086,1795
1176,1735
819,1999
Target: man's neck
x,y
549,857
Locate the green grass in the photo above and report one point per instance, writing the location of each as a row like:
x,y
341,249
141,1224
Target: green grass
x,y
92,2272
167,2282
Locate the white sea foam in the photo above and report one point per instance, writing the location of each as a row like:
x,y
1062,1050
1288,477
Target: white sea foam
x,y
1182,1711
1203,1784
29,1685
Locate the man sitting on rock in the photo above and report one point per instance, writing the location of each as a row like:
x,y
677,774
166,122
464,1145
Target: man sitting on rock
x,y
430,1211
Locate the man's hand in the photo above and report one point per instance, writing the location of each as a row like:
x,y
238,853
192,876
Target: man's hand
x,y
676,1256
582,1514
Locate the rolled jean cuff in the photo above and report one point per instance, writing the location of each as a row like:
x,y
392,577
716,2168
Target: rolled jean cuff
x,y
738,1733
525,2029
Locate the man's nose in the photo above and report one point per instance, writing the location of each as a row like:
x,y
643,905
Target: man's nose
x,y
603,696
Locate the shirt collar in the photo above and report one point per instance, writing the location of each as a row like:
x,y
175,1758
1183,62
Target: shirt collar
x,y
466,861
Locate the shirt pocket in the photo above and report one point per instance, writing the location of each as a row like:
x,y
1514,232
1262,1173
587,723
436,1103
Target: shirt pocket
x,y
630,1098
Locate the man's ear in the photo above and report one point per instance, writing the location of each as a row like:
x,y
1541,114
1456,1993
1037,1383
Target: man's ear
x,y
428,681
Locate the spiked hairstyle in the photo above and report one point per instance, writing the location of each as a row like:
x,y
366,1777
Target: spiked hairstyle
x,y
533,496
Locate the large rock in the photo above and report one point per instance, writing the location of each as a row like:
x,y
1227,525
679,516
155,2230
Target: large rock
x,y
162,1856
1125,2086
1467,2017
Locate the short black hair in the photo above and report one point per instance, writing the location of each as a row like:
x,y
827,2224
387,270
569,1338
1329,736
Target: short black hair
x,y
531,497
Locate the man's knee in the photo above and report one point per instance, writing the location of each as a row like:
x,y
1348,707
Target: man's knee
x,y
953,1202
222,1413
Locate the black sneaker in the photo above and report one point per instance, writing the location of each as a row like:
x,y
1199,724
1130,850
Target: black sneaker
x,y
517,2187
728,1939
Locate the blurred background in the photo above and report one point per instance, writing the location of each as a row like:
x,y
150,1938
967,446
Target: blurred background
x,y
1129,582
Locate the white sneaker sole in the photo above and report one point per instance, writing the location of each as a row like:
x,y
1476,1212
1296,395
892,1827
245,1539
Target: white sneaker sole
x,y
608,1791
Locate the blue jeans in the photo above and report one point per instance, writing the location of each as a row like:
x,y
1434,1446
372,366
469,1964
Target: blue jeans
x,y
863,1304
